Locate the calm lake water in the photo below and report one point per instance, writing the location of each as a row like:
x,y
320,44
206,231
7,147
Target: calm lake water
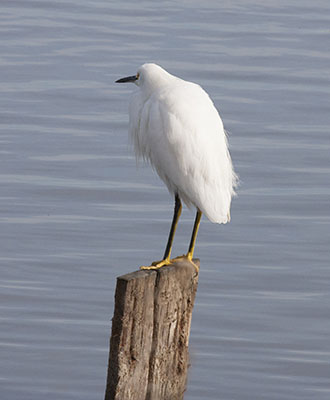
x,y
75,212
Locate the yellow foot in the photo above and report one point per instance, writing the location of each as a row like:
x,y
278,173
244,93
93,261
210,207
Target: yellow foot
x,y
188,257
167,261
157,264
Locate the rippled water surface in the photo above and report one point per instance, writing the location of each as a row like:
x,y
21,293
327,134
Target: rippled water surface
x,y
75,212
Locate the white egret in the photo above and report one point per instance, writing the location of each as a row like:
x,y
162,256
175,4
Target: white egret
x,y
176,127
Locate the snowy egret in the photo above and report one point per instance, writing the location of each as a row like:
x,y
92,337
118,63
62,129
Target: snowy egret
x,y
176,127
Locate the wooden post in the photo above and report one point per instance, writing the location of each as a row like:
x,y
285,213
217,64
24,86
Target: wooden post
x,y
150,333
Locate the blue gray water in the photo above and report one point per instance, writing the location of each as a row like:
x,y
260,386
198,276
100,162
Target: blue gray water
x,y
75,212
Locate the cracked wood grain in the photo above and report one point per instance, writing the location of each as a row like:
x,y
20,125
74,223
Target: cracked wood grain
x,y
150,333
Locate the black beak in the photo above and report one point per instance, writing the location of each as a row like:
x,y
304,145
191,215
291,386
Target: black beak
x,y
132,78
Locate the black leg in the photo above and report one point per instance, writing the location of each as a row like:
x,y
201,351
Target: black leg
x,y
194,235
176,216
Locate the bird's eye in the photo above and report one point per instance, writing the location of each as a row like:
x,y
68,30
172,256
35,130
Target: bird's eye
x,y
137,76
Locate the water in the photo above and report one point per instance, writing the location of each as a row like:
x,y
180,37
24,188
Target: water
x,y
75,212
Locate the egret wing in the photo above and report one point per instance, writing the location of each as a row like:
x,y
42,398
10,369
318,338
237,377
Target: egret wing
x,y
181,133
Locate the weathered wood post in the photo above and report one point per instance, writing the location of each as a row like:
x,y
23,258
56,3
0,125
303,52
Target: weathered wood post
x,y
150,332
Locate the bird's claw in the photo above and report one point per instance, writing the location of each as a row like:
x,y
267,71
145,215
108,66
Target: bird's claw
x,y
159,264
189,258
156,265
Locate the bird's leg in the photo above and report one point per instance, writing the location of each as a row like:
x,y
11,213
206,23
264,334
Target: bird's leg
x,y
176,216
191,249
166,259
194,235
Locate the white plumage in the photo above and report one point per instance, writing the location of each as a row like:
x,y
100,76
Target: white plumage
x,y
176,127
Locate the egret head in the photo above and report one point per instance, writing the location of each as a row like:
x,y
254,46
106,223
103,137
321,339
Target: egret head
x,y
149,77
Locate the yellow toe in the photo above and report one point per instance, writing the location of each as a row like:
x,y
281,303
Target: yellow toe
x,y
188,257
157,264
